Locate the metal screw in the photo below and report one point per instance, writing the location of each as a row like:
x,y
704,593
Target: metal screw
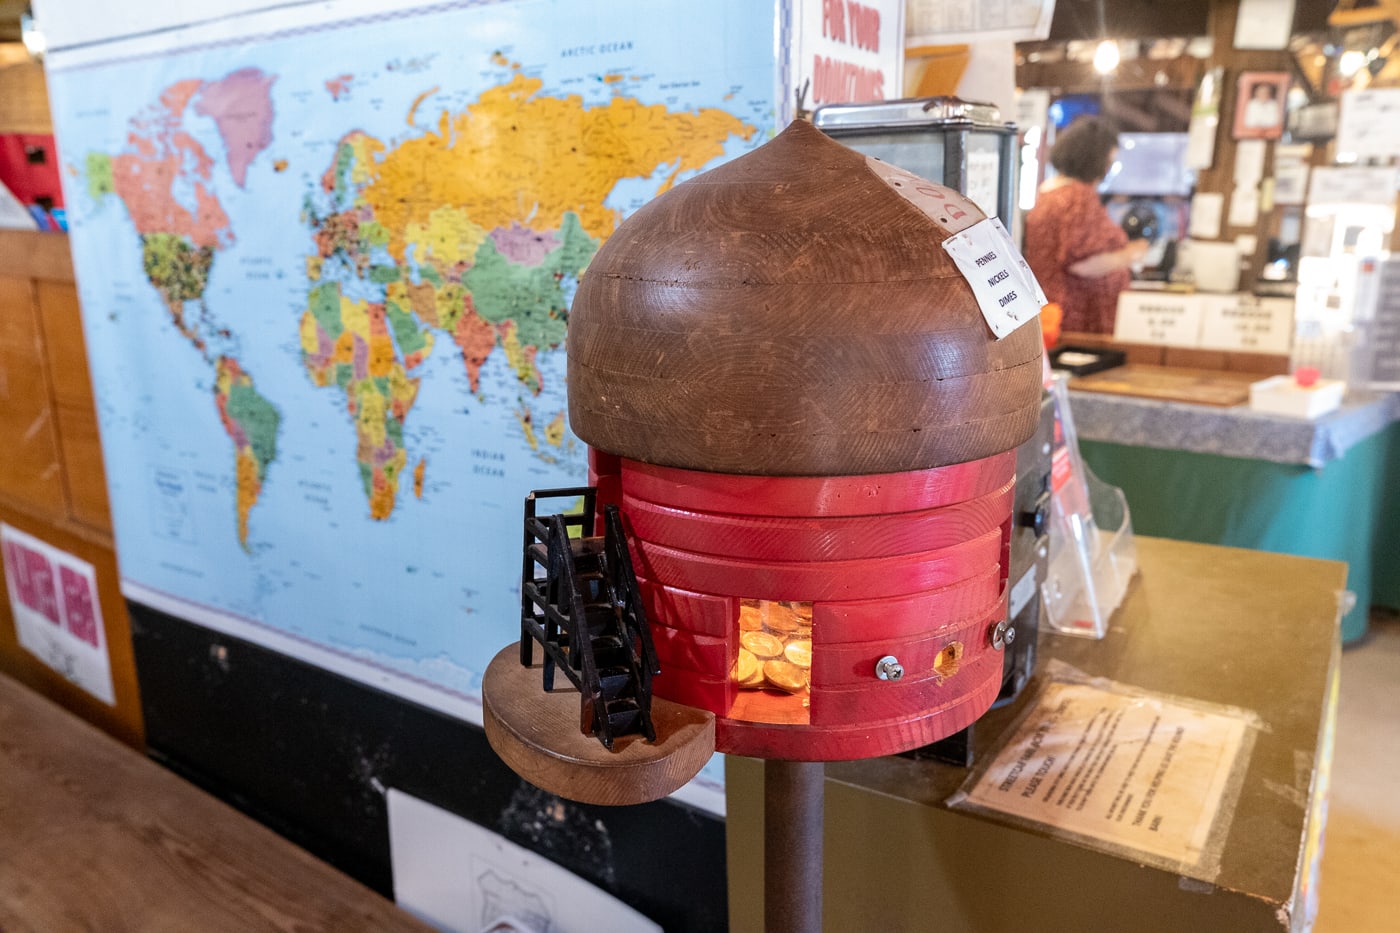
x,y
889,668
1003,635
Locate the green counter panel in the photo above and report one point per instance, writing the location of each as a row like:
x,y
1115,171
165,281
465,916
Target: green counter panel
x,y
1347,511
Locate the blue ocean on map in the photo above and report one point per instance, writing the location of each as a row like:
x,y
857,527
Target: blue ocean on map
x,y
430,591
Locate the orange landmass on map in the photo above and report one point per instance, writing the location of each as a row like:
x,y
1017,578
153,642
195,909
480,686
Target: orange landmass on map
x,y
513,157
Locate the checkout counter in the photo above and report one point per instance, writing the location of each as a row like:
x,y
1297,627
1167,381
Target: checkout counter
x,y
1328,488
1200,623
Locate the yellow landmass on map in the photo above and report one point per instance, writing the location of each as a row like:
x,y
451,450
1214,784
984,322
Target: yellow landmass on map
x,y
554,431
521,361
517,156
449,237
249,486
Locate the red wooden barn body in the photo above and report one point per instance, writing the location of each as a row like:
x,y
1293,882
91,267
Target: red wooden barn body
x,y
792,395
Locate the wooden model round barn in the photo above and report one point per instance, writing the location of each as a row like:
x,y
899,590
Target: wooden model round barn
x,y
803,438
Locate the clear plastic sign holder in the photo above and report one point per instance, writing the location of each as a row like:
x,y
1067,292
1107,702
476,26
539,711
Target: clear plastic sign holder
x,y
1092,556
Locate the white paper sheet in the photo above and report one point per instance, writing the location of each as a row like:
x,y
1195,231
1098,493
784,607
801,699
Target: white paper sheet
x,y
945,22
1358,185
13,215
1140,772
1205,120
1244,207
1006,289
1164,318
1249,161
1264,24
58,617
461,877
1291,173
1369,124
1246,324
1207,208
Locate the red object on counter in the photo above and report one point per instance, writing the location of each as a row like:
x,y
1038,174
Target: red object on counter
x,y
1306,376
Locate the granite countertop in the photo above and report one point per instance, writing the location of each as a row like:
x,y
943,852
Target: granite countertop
x,y
1233,432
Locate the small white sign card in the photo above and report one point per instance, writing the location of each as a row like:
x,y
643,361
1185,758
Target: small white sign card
x,y
1002,281
1246,323
1158,317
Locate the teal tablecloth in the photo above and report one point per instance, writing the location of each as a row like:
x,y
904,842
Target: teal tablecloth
x,y
1347,509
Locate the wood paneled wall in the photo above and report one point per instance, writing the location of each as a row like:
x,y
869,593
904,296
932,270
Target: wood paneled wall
x,y
24,97
52,484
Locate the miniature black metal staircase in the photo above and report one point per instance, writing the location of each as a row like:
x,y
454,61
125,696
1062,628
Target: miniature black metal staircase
x,y
580,601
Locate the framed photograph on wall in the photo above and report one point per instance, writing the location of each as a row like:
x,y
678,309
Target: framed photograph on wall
x,y
1260,105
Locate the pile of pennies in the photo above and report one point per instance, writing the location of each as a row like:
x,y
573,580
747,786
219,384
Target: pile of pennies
x,y
775,646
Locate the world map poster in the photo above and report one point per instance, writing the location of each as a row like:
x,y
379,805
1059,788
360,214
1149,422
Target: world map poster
x,y
325,264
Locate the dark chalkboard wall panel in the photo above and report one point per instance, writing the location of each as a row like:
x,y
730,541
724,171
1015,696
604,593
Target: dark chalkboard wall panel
x,y
309,753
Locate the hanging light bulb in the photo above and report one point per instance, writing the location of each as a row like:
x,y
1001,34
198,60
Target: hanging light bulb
x,y
1351,63
1106,56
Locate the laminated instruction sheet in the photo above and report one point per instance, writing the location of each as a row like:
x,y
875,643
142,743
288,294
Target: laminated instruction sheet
x,y
1129,771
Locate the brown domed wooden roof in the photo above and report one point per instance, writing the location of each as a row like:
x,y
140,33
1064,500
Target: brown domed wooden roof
x,y
792,313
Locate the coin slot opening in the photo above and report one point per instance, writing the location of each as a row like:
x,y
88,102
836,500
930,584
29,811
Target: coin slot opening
x,y
773,665
948,660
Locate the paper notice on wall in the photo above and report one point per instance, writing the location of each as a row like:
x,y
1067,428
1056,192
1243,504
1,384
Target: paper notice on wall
x,y
1369,125
1244,207
53,596
1263,24
1291,173
948,22
983,179
1205,120
1249,162
1006,289
1135,772
1333,185
1207,209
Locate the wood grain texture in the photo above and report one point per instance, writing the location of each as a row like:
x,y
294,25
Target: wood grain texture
x,y
24,98
31,470
790,314
84,477
97,837
1171,384
35,255
537,734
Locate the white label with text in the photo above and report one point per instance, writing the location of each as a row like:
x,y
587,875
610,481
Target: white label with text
x,y
1006,289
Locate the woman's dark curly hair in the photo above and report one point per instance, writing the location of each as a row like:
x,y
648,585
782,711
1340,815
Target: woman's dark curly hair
x,y
1085,150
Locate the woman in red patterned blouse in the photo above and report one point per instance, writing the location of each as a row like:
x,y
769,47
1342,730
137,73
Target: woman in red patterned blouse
x,y
1081,257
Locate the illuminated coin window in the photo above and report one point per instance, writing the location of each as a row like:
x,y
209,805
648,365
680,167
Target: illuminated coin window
x,y
773,669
